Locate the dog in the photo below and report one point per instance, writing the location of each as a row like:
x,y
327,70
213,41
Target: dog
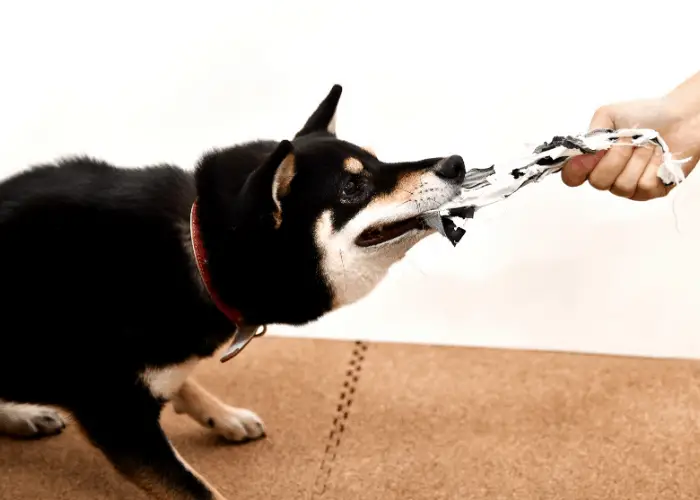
x,y
118,281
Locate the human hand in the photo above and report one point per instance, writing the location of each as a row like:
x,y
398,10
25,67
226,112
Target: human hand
x,y
631,172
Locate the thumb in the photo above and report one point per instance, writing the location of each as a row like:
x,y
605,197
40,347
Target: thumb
x,y
602,118
576,170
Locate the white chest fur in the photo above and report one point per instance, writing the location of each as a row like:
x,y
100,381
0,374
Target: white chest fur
x,y
165,382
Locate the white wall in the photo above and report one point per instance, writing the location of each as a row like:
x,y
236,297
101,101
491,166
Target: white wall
x,y
554,268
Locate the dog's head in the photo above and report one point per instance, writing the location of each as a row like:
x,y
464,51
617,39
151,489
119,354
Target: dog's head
x,y
297,228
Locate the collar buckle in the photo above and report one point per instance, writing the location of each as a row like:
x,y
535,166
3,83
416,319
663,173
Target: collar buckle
x,y
241,338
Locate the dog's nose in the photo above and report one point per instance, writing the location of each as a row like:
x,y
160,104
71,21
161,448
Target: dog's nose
x,y
452,169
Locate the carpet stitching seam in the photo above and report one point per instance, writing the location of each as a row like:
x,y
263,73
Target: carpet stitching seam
x,y
342,413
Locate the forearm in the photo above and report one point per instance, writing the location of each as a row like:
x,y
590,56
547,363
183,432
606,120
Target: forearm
x,y
684,102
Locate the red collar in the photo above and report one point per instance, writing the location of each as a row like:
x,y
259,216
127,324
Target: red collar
x,y
201,257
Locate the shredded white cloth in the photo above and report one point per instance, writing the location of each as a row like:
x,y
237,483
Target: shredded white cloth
x,y
485,186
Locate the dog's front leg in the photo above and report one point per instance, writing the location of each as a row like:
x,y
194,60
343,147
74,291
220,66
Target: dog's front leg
x,y
234,424
126,428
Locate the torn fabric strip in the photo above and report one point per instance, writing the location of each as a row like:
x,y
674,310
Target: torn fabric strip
x,y
486,186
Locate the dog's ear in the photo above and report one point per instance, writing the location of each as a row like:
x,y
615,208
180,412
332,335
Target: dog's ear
x,y
281,182
323,119
275,175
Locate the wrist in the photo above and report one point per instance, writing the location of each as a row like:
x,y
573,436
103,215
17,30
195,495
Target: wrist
x,y
684,100
683,104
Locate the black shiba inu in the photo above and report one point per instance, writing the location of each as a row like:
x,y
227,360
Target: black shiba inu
x,y
117,281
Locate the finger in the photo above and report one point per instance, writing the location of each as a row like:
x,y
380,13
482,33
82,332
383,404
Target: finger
x,y
626,183
650,186
576,170
611,165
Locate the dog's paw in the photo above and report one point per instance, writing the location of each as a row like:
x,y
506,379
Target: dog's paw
x,y
237,424
29,421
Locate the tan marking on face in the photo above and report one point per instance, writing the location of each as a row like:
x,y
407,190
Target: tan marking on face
x,y
405,188
353,165
281,185
370,151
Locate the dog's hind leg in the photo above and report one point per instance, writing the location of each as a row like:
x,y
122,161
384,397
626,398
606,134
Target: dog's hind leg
x,y
29,421
124,424
234,424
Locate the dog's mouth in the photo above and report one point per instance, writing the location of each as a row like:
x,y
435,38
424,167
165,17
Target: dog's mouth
x,y
382,233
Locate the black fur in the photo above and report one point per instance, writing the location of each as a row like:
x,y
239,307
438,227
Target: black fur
x,y
99,284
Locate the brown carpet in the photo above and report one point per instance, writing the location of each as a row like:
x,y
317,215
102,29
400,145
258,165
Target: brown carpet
x,y
387,421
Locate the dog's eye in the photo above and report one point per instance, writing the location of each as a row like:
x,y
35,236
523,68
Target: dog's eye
x,y
353,189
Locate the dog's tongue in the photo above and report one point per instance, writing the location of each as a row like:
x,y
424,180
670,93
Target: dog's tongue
x,y
241,339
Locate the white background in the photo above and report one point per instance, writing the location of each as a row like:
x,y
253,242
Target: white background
x,y
552,268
